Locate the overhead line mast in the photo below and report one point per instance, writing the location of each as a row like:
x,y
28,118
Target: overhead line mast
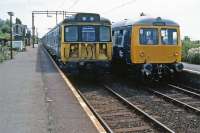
x,y
63,13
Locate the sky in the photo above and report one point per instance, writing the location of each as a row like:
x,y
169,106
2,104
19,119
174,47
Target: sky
x,y
184,12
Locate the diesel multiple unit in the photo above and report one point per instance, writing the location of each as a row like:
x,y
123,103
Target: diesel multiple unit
x,y
148,46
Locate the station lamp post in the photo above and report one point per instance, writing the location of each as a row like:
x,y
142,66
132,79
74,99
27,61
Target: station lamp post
x,y
11,14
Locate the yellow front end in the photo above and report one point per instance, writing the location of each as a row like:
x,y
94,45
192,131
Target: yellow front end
x,y
159,53
84,51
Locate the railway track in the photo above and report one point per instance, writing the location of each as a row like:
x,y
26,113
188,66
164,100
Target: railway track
x,y
116,113
186,87
179,96
122,109
172,115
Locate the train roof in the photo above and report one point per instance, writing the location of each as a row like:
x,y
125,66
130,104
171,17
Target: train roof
x,y
77,17
146,21
87,17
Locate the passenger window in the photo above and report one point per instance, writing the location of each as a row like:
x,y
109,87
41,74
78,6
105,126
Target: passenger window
x,y
148,36
169,36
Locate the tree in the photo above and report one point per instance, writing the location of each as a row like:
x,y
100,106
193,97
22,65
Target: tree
x,y
187,39
5,28
18,21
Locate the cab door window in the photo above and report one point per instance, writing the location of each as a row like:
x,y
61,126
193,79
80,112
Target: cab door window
x,y
148,36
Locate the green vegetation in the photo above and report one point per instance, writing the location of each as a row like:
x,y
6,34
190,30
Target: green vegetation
x,y
4,38
191,51
4,29
4,53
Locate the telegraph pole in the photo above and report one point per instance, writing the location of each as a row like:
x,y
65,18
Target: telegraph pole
x,y
56,17
33,30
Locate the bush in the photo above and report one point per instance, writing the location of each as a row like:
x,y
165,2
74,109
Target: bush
x,y
187,45
193,55
4,53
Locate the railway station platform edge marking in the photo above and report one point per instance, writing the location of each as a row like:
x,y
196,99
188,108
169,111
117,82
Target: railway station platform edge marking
x,y
78,97
192,71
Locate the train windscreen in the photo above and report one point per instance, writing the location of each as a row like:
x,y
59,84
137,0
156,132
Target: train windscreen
x,y
88,34
105,35
148,36
71,33
169,36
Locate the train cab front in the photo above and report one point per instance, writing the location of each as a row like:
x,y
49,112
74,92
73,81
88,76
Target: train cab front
x,y
157,47
87,46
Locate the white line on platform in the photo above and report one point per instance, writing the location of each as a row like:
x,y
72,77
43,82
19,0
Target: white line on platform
x,y
80,100
192,71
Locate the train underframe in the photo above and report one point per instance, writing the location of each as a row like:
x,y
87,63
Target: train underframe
x,y
148,71
158,72
86,67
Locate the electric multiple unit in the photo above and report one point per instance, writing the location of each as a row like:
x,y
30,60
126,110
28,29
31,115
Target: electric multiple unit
x,y
82,40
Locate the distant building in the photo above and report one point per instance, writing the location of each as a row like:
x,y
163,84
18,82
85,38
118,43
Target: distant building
x,y
21,33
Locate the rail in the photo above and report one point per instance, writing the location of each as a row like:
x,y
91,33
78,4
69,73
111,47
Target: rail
x,y
159,124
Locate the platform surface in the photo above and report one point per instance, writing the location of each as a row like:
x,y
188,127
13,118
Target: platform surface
x,y
191,67
35,99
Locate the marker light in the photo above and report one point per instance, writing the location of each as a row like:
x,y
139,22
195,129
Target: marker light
x,y
176,54
141,54
84,18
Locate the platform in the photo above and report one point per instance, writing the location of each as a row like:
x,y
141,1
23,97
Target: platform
x,y
35,99
192,67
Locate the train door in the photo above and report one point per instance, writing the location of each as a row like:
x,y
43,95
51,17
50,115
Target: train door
x,y
118,46
126,43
